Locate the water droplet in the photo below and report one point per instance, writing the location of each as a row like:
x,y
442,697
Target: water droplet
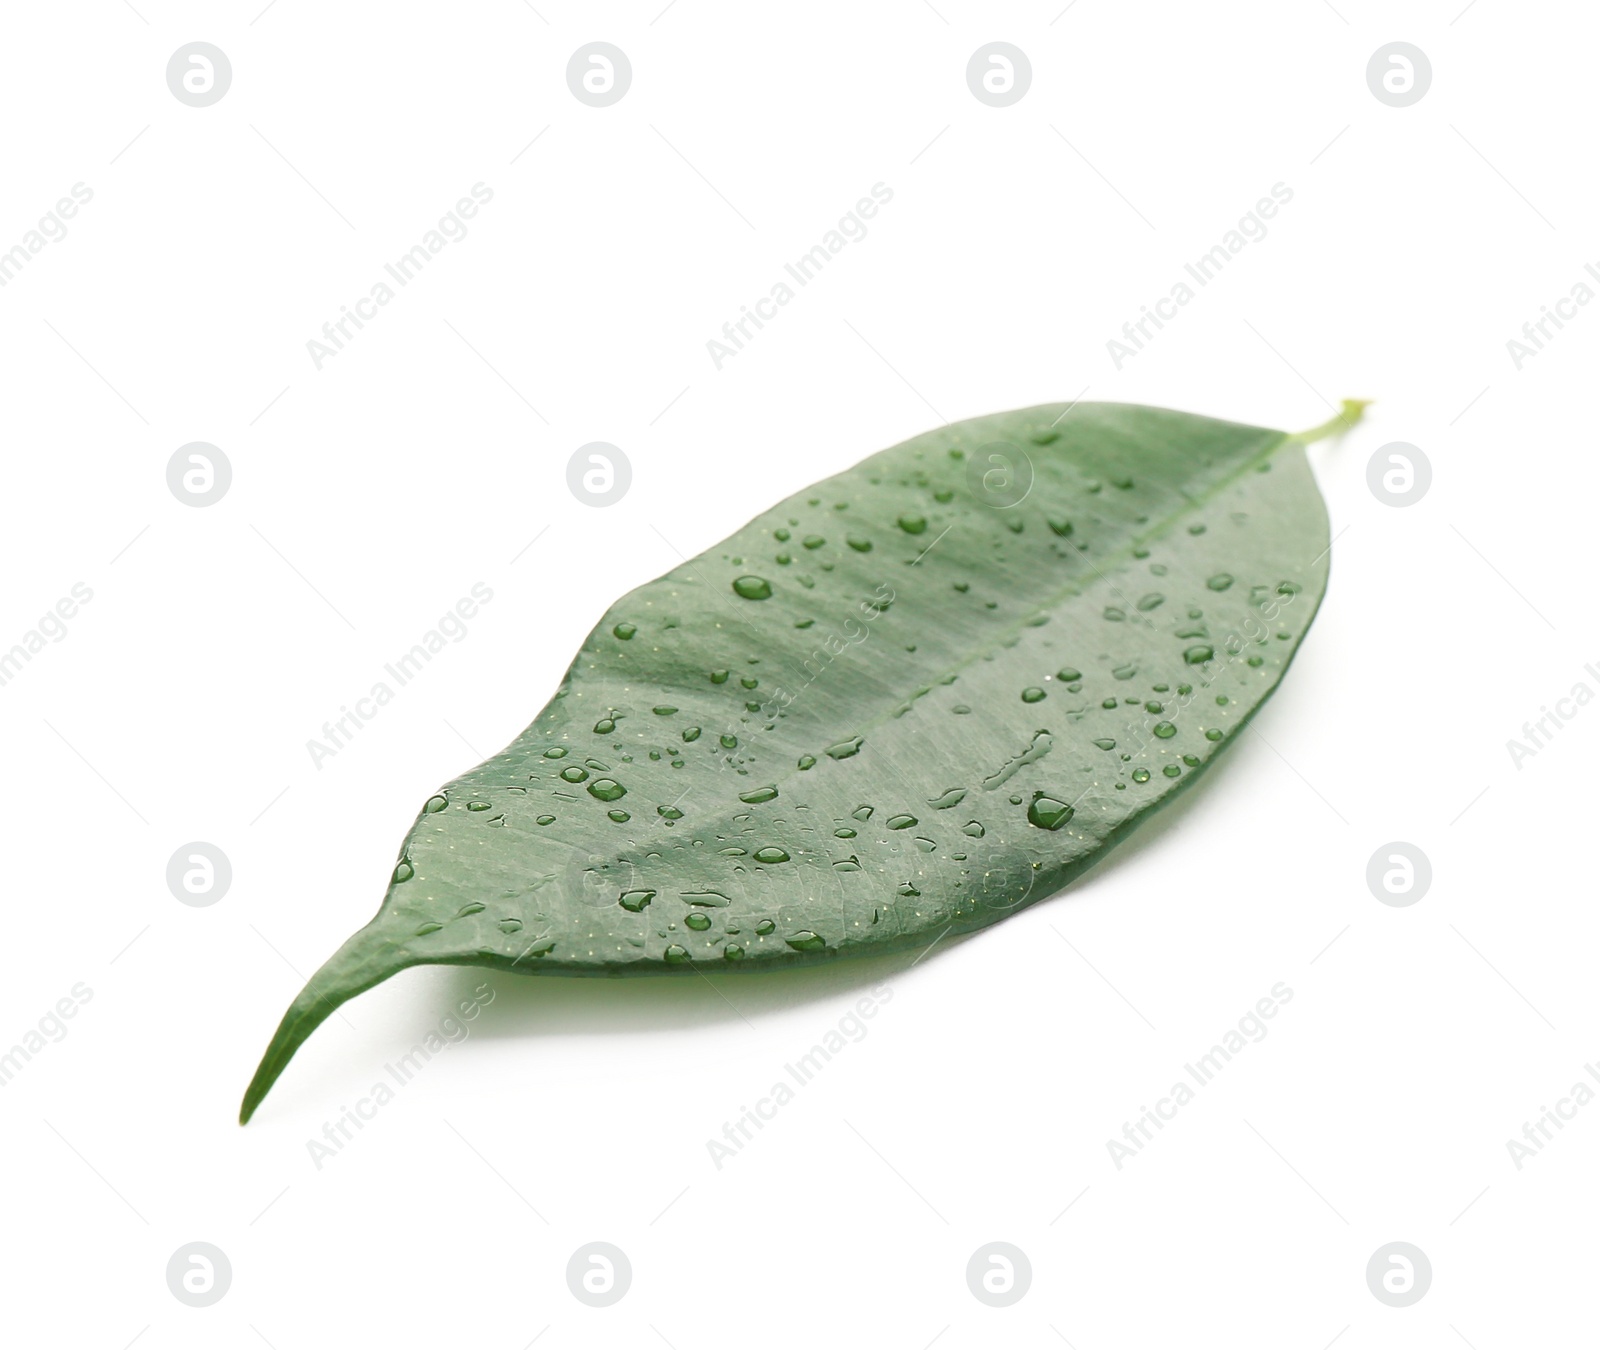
x,y
946,799
752,588
1165,730
758,795
913,524
1032,694
636,900
402,872
844,833
859,544
429,928
765,927
663,710
607,789
733,953
556,752
844,749
806,941
1193,761
1067,675
509,926
547,820
1149,602
1198,656
604,727
698,922
1152,707
624,631
1126,671
1141,775
621,817
669,813
1060,527
706,899
1113,614
467,911
1106,743
1220,582
691,733
1212,734
477,806
771,856
719,677
901,822
973,828
1047,813
781,535
675,955
438,803
1172,771
1197,529
805,761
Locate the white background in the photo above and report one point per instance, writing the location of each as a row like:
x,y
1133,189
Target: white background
x,y
369,496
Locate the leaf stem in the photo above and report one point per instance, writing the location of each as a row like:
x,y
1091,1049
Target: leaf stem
x,y
1349,414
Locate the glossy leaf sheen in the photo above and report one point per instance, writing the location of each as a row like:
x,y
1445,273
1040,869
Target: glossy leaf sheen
x,y
882,711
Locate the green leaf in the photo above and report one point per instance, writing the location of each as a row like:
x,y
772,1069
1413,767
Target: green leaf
x,y
905,702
